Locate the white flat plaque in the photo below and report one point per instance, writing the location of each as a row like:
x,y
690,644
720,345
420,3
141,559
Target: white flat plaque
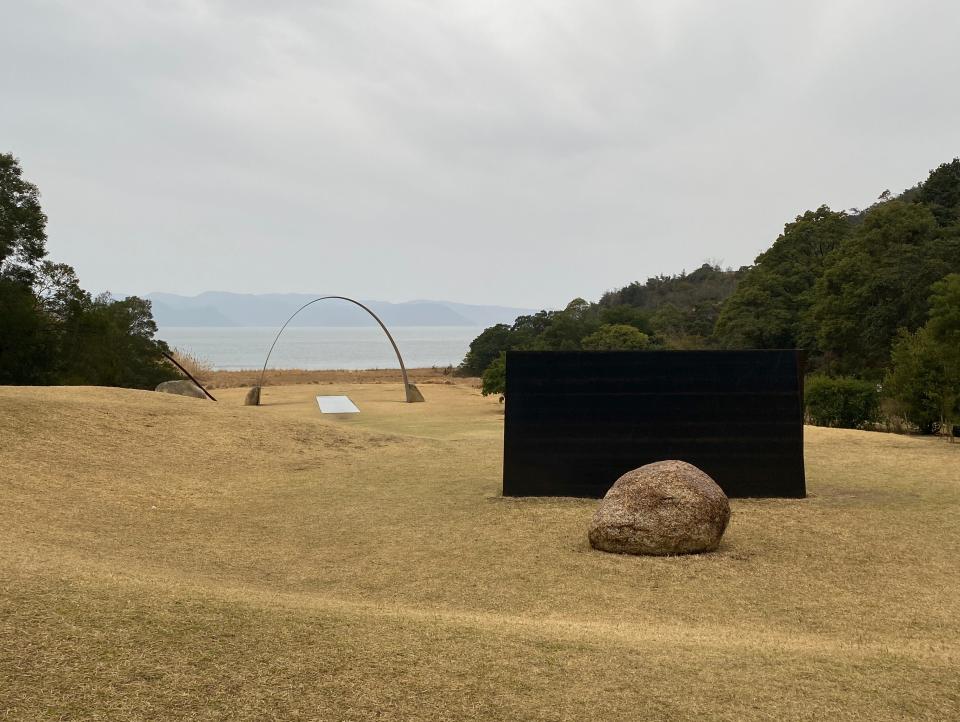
x,y
336,405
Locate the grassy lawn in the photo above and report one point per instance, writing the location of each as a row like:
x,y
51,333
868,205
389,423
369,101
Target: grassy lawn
x,y
166,557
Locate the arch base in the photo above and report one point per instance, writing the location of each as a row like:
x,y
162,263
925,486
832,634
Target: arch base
x,y
413,394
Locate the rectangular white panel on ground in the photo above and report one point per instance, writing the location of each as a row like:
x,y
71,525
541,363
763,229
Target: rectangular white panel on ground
x,y
336,405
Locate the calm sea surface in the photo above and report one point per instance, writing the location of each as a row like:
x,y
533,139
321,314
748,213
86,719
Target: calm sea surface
x,y
300,347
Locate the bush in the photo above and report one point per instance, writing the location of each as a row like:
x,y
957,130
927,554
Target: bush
x,y
914,384
495,377
924,376
201,369
616,337
842,402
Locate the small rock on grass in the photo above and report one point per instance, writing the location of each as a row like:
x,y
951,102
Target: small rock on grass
x,y
182,388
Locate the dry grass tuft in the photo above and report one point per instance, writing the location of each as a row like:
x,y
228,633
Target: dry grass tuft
x,y
201,369
171,558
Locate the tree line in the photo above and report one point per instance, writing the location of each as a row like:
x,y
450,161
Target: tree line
x,y
51,330
872,295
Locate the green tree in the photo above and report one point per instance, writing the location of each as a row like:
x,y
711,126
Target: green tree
x,y
567,328
944,320
924,377
495,377
616,337
626,315
876,282
944,330
941,192
542,331
27,339
527,329
766,308
57,288
111,343
51,330
703,288
682,309
23,234
485,349
27,352
914,380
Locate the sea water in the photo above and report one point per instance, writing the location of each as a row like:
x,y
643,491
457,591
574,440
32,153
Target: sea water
x,y
302,347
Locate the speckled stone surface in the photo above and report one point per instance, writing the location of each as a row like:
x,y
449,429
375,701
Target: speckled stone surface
x,y
668,507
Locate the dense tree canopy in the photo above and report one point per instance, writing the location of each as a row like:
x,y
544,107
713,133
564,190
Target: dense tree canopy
x,y
682,309
23,225
709,283
924,376
944,320
877,282
766,309
616,337
51,330
941,193
626,316
26,351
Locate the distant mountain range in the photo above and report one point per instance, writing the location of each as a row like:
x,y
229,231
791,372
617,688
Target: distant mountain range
x,y
216,308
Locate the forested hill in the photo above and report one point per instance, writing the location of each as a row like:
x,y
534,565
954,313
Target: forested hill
x,y
683,309
867,293
669,312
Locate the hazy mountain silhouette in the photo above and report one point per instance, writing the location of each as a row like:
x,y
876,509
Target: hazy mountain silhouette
x,y
217,308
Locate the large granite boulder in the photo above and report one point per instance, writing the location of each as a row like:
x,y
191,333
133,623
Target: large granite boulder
x,y
669,507
181,387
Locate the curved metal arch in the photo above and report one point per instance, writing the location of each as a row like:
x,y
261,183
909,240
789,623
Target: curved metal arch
x,y
411,392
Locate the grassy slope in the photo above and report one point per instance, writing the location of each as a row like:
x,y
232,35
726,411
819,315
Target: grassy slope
x,y
169,557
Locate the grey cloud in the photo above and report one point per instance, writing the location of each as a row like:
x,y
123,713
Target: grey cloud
x,y
520,153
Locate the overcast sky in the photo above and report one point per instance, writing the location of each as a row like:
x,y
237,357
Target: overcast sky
x,y
517,152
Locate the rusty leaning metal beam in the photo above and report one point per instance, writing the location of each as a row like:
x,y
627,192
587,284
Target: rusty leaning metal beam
x,y
176,363
411,392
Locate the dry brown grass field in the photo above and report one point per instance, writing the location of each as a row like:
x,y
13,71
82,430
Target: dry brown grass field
x,y
217,379
173,558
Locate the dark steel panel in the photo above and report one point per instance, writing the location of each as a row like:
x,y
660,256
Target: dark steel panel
x,y
576,421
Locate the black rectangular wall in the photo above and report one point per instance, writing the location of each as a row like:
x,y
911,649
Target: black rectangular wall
x,y
576,421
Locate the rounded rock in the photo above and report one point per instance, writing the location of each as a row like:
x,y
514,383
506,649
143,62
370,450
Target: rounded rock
x,y
668,507
182,388
253,397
